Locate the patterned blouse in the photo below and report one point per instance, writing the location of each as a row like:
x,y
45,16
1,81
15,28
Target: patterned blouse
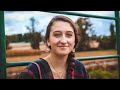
x,y
32,71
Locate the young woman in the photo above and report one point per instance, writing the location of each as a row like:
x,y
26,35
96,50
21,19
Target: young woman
x,y
61,38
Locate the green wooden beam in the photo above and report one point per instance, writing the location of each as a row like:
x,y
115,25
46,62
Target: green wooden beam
x,y
97,57
14,64
118,37
2,47
81,14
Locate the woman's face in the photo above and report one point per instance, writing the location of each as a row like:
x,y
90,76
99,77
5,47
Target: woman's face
x,y
62,38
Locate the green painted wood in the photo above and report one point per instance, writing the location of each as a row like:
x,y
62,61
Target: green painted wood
x,y
81,14
14,64
2,47
118,37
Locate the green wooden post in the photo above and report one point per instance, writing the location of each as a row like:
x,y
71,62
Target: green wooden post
x,y
2,47
118,37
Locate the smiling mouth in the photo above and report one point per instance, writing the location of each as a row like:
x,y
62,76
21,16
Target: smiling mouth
x,y
62,46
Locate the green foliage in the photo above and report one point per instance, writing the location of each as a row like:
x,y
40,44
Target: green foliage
x,y
15,38
104,72
8,40
84,24
26,37
35,37
106,42
112,36
100,74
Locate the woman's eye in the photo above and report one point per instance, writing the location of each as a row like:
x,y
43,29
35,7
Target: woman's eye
x,y
69,35
57,35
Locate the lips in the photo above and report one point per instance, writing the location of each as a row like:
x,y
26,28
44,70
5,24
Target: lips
x,y
62,46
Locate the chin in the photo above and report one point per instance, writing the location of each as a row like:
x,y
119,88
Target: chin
x,y
63,53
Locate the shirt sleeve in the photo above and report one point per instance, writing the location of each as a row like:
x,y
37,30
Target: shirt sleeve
x,y
26,74
81,71
30,72
86,75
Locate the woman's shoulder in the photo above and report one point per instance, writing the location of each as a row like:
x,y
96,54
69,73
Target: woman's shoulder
x,y
32,64
36,64
31,69
80,68
78,63
38,61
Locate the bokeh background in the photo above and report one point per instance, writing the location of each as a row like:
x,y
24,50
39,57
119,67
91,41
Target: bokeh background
x,y
25,32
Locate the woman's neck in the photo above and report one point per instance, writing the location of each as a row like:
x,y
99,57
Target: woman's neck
x,y
58,61
58,65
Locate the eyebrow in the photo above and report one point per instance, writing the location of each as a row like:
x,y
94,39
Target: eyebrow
x,y
70,31
66,31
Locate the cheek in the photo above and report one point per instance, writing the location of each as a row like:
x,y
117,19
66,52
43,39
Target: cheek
x,y
72,42
54,41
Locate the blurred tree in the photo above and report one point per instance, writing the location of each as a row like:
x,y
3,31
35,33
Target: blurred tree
x,y
26,37
84,25
109,42
8,40
20,37
105,42
14,38
35,37
112,36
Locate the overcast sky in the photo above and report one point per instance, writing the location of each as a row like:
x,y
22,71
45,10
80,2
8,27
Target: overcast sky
x,y
16,21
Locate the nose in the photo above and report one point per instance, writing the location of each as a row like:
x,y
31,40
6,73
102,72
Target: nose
x,y
63,40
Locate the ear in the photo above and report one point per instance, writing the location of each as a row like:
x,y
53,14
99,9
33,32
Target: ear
x,y
48,43
73,50
47,49
74,45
